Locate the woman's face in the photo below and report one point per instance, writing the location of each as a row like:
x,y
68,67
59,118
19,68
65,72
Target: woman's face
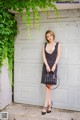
x,y
49,37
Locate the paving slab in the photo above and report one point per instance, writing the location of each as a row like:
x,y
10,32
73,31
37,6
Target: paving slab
x,y
31,112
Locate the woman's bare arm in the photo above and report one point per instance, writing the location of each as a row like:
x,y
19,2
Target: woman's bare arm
x,y
44,60
57,58
58,53
44,57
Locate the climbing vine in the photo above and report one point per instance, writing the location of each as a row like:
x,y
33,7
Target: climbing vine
x,y
8,24
29,6
8,30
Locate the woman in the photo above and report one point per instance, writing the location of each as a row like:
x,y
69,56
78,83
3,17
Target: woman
x,y
51,55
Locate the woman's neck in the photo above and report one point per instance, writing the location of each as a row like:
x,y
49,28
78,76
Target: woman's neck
x,y
52,42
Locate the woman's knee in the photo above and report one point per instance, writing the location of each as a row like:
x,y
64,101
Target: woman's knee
x,y
49,86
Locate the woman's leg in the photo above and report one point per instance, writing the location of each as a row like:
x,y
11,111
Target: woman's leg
x,y
49,108
47,97
49,102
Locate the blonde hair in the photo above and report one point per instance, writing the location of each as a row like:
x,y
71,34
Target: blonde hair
x,y
51,32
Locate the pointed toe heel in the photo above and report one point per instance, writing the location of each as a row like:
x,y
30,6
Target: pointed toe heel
x,y
44,112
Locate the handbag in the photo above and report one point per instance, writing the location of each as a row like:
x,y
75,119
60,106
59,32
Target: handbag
x,y
50,78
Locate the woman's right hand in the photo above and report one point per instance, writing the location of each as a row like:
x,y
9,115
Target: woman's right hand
x,y
48,68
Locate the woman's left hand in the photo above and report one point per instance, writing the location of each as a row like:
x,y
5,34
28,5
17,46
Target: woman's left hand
x,y
53,68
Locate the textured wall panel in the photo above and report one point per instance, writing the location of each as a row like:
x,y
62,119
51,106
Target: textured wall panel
x,y
28,60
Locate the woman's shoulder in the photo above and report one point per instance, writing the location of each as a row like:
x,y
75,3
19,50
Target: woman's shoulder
x,y
57,42
44,44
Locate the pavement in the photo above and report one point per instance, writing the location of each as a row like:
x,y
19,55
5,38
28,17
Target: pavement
x,y
31,112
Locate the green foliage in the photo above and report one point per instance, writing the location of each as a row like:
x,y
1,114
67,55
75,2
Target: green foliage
x,y
28,6
8,24
8,30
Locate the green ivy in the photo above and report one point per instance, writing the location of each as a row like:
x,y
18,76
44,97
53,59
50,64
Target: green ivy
x,y
8,24
28,6
8,31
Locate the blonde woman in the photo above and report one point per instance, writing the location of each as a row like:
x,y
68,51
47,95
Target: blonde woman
x,y
51,55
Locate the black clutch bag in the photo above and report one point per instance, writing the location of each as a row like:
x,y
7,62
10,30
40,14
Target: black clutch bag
x,y
50,78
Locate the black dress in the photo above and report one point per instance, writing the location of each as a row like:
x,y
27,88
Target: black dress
x,y
50,60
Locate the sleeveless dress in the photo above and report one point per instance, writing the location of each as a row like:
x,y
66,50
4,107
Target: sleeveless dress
x,y
51,58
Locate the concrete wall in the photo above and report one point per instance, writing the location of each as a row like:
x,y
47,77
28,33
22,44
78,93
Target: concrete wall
x,y
5,88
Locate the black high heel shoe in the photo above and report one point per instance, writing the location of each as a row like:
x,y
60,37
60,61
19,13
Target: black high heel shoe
x,y
49,108
45,108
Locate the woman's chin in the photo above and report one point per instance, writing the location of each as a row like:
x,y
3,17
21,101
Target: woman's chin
x,y
50,41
